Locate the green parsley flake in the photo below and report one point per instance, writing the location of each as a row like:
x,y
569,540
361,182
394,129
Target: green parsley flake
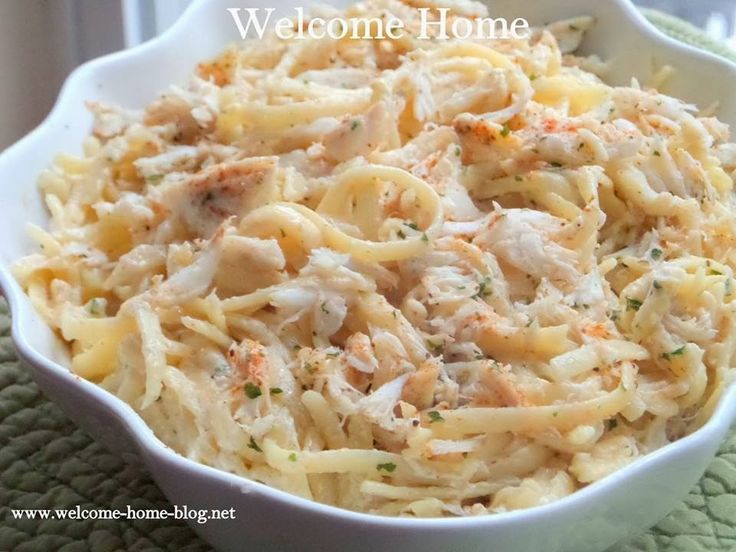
x,y
656,253
388,466
253,445
435,416
484,288
505,131
632,304
276,390
677,352
412,225
355,124
252,391
292,457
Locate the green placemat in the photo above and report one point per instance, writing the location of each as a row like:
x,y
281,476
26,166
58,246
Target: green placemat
x,y
688,33
47,462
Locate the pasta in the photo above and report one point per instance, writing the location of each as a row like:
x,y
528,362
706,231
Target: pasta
x,y
404,277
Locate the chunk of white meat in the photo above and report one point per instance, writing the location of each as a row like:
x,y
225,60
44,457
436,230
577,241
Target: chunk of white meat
x,y
177,158
300,137
133,270
203,96
111,120
524,239
198,204
547,140
168,165
186,121
726,154
333,271
360,135
248,264
418,149
420,386
195,279
483,141
329,315
435,157
569,32
360,354
379,406
634,104
303,169
249,362
131,212
442,171
719,131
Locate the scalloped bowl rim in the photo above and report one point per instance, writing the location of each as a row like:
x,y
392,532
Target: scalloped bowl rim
x,y
723,414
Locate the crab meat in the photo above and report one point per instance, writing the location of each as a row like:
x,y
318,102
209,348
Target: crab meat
x,y
249,362
248,264
419,387
200,203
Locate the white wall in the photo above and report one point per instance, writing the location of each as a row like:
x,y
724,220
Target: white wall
x,y
41,41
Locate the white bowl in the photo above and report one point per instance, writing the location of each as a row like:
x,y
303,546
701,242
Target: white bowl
x,y
267,519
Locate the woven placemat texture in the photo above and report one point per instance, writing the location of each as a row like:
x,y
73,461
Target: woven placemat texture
x,y
47,462
688,33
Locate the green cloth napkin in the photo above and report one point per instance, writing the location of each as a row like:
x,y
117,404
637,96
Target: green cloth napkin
x,y
47,462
